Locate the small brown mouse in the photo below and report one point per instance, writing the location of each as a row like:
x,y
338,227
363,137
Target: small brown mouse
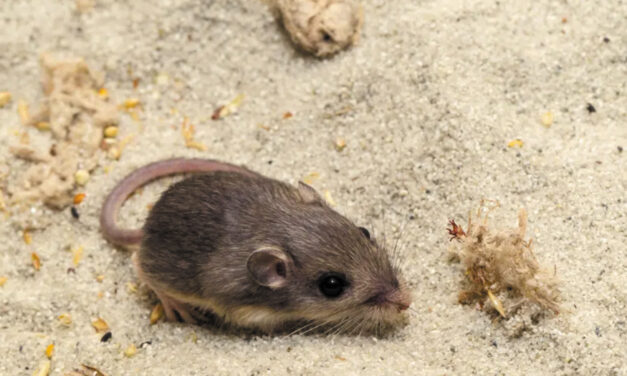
x,y
256,252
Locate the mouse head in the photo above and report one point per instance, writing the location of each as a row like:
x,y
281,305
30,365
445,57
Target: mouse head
x,y
330,272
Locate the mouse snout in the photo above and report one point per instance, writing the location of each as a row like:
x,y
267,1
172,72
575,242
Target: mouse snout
x,y
399,298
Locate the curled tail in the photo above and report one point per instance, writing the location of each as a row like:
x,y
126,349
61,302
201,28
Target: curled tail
x,y
141,176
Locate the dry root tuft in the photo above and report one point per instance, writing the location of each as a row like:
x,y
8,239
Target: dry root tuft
x,y
501,265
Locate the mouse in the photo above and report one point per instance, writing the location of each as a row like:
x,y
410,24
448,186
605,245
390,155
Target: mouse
x,y
256,252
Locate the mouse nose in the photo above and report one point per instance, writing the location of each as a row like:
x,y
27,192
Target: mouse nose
x,y
400,298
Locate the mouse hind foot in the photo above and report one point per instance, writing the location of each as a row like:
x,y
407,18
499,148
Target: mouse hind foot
x,y
174,309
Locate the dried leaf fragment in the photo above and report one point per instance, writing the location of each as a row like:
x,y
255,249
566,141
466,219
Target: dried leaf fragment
x,y
156,314
100,325
188,131
95,370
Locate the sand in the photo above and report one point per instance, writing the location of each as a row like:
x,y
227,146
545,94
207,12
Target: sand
x,y
427,103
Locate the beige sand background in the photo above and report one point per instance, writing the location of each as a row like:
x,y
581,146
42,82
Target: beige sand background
x,y
427,103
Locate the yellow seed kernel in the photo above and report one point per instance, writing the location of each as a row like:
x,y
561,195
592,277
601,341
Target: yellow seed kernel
x,y
5,97
77,255
43,126
35,260
547,119
328,198
78,198
3,280
310,178
65,319
49,350
114,153
156,314
103,93
132,287
100,278
22,111
130,350
27,237
81,177
131,103
111,131
100,325
517,143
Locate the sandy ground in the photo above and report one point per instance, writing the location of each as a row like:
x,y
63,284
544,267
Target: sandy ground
x,y
427,103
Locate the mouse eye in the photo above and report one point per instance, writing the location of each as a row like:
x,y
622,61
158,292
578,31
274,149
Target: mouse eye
x,y
365,232
332,285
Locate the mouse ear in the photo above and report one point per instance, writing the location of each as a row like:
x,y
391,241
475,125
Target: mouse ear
x,y
269,267
308,194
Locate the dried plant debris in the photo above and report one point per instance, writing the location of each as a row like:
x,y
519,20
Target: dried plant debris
x,y
500,265
76,115
321,27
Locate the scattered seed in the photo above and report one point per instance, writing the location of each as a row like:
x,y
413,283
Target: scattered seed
x,y
517,143
43,369
156,314
74,212
81,177
340,358
136,83
228,109
496,303
100,278
78,198
590,108
328,198
130,351
65,319
145,344
606,40
106,337
77,255
188,131
103,93
22,111
49,350
131,103
27,237
95,370
620,149
3,280
35,260
132,287
287,115
114,153
547,119
311,177
111,131
340,144
5,97
100,325
43,126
